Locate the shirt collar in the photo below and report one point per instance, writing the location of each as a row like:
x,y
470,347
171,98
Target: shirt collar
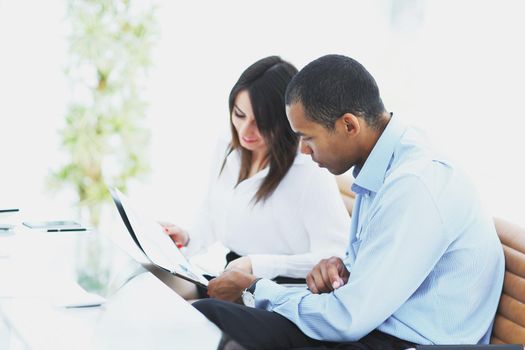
x,y
371,176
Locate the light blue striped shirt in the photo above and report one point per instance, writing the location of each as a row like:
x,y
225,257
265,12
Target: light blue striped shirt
x,y
425,262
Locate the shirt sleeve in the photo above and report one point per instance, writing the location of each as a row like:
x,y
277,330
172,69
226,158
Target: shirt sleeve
x,y
202,233
406,228
325,222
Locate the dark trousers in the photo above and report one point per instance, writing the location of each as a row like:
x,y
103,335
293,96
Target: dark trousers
x,y
261,329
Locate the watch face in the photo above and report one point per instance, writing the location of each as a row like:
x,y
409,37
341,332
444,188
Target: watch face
x,y
248,299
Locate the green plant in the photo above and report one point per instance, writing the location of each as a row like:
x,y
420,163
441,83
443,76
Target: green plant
x,y
110,46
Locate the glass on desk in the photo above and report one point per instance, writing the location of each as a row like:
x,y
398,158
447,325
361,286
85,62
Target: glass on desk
x,y
93,262
101,267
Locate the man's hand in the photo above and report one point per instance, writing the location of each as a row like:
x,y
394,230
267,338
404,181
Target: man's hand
x,y
229,285
327,275
243,264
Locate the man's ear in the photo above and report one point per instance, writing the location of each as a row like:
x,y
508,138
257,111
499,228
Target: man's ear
x,y
350,124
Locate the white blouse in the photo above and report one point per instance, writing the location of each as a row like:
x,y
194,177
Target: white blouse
x,y
302,222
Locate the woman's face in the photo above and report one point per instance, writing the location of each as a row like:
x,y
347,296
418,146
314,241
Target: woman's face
x,y
244,122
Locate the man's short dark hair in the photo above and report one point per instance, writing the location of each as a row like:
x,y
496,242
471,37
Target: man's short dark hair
x,y
333,85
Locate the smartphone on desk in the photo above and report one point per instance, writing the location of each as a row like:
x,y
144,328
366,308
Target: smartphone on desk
x,y
55,226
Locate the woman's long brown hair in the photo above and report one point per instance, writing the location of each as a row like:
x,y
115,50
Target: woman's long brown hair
x,y
266,81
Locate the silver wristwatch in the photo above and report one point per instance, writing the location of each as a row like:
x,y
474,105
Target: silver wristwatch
x,y
248,295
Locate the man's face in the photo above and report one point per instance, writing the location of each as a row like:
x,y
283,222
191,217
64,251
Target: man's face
x,y
330,149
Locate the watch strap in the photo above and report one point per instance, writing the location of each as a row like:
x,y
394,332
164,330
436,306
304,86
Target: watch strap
x,y
251,287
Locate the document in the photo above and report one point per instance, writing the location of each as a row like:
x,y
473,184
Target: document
x,y
154,243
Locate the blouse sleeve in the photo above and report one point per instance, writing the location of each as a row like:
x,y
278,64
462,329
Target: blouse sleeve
x,y
327,225
202,233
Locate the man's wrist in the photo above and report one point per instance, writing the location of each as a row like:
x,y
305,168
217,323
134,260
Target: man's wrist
x,y
248,295
251,287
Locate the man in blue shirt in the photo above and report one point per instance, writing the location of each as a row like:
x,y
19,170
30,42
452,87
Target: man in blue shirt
x,y
424,264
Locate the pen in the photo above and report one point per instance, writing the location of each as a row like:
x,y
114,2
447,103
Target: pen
x,y
8,210
65,229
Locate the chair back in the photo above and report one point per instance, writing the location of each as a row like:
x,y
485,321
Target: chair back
x,y
509,325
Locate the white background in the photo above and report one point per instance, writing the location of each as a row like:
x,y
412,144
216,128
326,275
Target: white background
x,y
453,68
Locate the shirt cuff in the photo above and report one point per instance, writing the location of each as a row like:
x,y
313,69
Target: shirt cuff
x,y
189,250
194,247
266,266
269,294
265,293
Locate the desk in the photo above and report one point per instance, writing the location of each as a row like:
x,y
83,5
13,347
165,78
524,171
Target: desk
x,y
142,314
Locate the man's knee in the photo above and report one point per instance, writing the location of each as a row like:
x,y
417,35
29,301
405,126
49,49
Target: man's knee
x,y
209,308
206,306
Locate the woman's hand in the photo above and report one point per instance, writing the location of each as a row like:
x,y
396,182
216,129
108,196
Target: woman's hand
x,y
177,235
242,264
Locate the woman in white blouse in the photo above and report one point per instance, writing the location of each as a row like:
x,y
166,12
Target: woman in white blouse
x,y
276,210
